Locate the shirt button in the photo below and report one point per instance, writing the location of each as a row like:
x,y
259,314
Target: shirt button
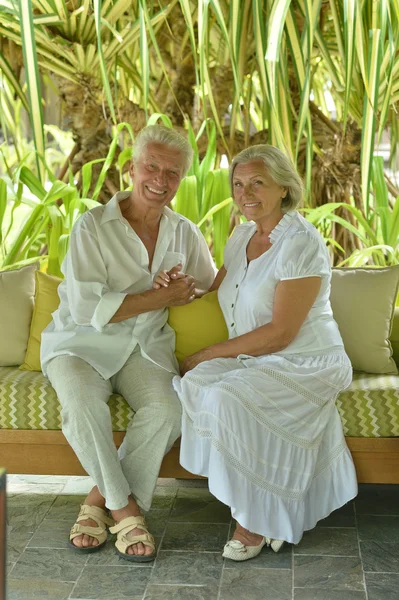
x,y
232,325
236,285
232,306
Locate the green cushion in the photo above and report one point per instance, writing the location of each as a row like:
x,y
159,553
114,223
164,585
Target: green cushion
x,y
28,401
368,408
394,338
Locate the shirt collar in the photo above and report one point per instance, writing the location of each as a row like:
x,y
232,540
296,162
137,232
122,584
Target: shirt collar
x,y
281,226
112,210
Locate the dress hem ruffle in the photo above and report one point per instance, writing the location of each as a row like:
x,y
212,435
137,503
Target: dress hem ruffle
x,y
258,509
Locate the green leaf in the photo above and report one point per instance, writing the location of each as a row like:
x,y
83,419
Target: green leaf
x,y
186,198
3,205
33,79
9,73
32,182
87,170
349,35
153,120
103,64
369,114
144,60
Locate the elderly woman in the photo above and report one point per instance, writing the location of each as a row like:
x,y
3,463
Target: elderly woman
x,y
110,334
259,415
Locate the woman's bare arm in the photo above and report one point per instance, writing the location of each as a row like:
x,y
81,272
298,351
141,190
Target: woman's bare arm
x,y
292,302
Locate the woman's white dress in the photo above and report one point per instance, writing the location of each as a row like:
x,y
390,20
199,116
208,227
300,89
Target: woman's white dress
x,y
265,430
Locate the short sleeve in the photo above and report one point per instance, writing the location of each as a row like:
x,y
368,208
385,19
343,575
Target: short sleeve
x,y
302,255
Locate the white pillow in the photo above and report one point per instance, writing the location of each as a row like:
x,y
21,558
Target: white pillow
x,y
17,291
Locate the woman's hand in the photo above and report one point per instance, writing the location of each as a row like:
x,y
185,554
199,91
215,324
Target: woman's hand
x,y
190,362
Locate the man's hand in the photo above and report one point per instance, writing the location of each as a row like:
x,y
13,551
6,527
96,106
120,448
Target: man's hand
x,y
165,277
179,291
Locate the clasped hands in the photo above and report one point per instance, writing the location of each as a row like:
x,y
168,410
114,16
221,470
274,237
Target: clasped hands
x,y
178,287
181,289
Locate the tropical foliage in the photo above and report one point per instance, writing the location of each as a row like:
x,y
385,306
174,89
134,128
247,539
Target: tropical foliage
x,y
318,78
45,217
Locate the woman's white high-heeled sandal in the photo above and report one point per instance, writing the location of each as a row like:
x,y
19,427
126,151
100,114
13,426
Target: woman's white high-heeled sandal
x,y
275,545
235,550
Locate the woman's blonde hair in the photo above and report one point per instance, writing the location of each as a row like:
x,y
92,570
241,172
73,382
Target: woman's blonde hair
x,y
280,169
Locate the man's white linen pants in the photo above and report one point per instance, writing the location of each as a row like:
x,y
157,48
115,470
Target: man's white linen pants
x,y
86,424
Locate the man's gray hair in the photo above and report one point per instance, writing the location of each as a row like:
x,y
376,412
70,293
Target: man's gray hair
x,y
163,135
280,169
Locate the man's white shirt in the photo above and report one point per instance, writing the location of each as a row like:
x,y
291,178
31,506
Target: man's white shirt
x,y
106,261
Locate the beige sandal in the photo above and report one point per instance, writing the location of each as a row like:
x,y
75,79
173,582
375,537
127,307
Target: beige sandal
x,y
123,542
102,519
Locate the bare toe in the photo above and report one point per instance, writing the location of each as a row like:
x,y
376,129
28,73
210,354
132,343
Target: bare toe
x,y
77,541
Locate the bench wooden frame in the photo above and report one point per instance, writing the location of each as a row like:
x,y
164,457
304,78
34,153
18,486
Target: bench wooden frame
x,y
48,453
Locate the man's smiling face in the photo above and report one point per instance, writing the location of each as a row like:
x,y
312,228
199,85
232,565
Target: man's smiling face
x,y
157,174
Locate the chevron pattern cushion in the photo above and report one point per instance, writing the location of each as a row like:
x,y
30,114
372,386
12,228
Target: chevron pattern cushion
x,y
27,401
369,408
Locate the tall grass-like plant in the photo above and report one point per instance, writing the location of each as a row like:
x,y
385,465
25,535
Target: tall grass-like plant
x,y
48,217
376,230
36,219
204,196
318,78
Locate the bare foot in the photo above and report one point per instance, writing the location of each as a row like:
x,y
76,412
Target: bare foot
x,y
246,537
93,499
132,510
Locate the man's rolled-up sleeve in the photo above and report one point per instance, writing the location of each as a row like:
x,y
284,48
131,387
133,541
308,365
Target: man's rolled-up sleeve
x,y
90,300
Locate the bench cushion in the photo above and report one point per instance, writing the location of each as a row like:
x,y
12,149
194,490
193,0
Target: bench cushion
x,y
369,408
28,401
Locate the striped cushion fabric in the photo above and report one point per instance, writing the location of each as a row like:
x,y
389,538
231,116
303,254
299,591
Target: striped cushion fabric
x,y
28,401
369,408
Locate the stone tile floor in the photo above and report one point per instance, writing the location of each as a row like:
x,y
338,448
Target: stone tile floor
x,y
351,555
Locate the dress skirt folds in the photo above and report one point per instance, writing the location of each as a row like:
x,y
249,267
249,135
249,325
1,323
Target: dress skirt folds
x,y
267,434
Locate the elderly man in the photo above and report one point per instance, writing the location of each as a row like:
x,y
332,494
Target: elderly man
x,y
110,334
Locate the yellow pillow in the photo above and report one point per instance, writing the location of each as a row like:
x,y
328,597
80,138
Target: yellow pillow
x,y
197,325
46,302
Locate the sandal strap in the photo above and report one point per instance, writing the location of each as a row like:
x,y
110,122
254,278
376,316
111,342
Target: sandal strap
x,y
123,542
95,513
92,531
98,533
128,524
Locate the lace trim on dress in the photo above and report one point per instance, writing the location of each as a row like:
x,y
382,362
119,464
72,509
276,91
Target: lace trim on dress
x,y
296,387
261,417
281,227
229,433
283,492
331,456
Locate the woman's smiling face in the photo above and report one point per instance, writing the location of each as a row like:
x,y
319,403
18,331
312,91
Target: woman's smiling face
x,y
257,195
